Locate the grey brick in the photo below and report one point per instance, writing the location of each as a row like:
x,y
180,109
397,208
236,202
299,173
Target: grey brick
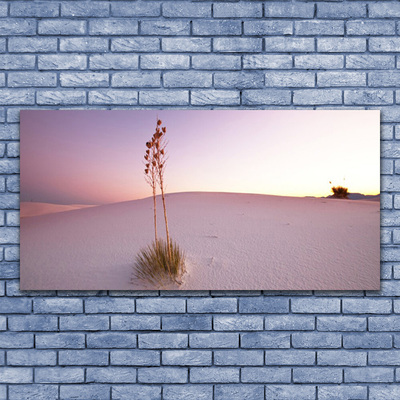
x,y
365,27
290,323
290,357
87,45
214,375
109,305
268,27
341,45
135,44
288,10
384,357
34,9
17,26
289,44
114,61
368,374
341,11
382,392
136,392
32,391
316,340
215,97
165,28
111,340
32,45
386,323
238,357
369,61
31,357
237,45
342,358
57,306
260,340
291,392
264,305
184,392
239,392
342,78
387,44
164,61
112,26
384,10
32,323
85,9
135,9
135,357
111,375
61,97
317,375
266,96
319,61
266,375
289,79
110,96
214,340
186,79
17,61
183,9
62,61
325,306
344,392
186,357
136,79
341,323
16,340
242,323
177,97
187,323
135,322
84,322
96,391
163,375
83,79
15,305
216,27
61,27
163,340
193,45
83,357
236,10
318,27
59,375
16,375
367,341
366,306
214,61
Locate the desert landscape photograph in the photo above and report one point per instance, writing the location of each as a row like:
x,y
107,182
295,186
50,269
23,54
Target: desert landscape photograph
x,y
200,200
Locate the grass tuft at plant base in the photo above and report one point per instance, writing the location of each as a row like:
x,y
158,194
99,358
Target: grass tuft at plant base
x,y
153,265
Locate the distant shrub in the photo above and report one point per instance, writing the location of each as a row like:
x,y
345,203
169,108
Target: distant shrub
x,y
160,264
340,192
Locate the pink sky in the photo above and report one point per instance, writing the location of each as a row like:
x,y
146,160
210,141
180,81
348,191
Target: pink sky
x,y
95,156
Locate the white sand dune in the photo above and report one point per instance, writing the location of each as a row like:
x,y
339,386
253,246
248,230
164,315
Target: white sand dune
x,y
232,241
33,209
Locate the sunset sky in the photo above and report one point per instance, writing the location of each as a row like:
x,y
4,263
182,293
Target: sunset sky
x,y
96,157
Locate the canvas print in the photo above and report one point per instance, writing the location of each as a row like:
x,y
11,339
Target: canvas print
x,y
200,200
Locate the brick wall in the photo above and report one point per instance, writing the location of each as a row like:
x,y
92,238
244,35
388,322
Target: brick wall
x,y
199,345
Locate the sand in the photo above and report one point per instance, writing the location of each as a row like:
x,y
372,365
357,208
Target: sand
x,y
33,209
232,241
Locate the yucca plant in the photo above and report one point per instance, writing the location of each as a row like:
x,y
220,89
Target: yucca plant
x,y
160,264
340,192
